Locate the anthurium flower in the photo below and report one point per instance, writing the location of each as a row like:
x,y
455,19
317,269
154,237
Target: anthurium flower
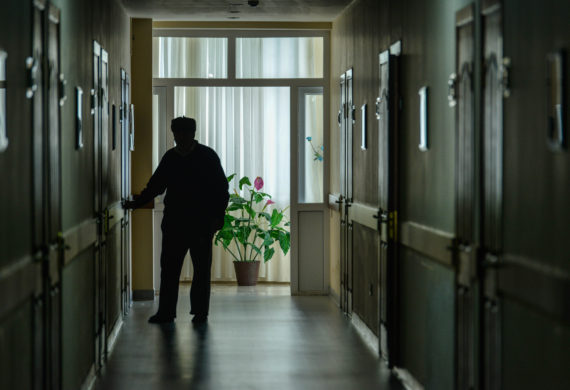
x,y
258,183
269,201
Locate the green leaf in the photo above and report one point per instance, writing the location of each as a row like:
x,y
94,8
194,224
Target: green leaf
x,y
258,197
231,177
244,181
284,242
276,218
249,211
234,207
268,254
268,240
266,215
237,199
243,234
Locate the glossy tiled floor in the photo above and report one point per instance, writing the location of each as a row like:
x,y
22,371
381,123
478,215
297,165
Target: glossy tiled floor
x,y
256,338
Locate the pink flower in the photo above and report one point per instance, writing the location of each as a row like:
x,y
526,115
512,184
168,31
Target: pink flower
x,y
269,202
258,183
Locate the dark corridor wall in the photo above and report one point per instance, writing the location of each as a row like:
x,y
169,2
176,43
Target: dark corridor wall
x,y
60,293
498,350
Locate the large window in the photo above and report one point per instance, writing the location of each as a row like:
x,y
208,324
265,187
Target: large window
x,y
186,57
277,58
243,88
248,127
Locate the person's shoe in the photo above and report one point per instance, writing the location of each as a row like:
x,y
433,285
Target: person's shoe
x,y
158,319
200,319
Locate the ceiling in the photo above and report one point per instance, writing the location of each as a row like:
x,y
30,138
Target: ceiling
x,y
237,10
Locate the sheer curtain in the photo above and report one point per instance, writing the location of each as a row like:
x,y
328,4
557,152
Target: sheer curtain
x,y
249,129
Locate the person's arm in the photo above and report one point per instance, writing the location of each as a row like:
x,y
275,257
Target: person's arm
x,y
155,186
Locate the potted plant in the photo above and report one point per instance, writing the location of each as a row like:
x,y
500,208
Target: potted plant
x,y
252,225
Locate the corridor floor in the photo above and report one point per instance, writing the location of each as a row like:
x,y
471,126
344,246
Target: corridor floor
x,y
256,338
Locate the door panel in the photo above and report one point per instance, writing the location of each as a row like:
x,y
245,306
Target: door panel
x,y
492,182
387,110
345,123
125,192
466,251
113,271
77,320
365,249
55,100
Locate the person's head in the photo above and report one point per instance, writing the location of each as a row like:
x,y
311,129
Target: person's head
x,y
184,130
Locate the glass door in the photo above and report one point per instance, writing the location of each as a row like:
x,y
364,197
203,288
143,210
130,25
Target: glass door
x,y
310,273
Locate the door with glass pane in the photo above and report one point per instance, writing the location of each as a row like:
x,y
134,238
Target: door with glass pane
x,y
310,207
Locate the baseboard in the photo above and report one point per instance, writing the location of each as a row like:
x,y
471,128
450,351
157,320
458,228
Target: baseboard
x,y
112,339
369,338
335,297
90,379
143,295
407,379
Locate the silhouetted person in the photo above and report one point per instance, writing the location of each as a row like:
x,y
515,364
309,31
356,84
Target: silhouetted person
x,y
194,207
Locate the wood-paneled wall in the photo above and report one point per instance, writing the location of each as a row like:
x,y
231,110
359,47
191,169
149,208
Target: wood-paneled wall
x,y
64,355
536,187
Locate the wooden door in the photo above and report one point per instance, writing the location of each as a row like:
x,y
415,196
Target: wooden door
x,y
492,183
387,114
36,91
125,192
346,128
111,154
55,99
465,197
98,282
22,253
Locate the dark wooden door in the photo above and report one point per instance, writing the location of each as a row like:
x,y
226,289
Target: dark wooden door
x,y
99,211
55,99
492,184
345,119
125,192
387,114
36,91
465,197
22,249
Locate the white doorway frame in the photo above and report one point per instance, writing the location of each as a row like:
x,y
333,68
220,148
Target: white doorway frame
x,y
294,85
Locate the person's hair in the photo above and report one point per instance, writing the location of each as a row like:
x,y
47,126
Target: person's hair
x,y
183,124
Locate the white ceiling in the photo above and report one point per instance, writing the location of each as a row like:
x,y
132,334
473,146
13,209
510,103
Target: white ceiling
x,y
224,10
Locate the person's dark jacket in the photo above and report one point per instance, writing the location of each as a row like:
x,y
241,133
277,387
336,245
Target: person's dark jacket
x,y
196,190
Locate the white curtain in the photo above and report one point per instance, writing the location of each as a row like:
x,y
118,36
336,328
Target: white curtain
x,y
249,129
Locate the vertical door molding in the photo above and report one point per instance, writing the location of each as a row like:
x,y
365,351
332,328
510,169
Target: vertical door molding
x,y
492,182
465,197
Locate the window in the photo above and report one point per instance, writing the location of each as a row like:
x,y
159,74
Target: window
x,y
185,57
276,57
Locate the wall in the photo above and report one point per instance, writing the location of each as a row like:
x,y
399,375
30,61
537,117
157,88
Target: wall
x,y
141,32
536,181
69,317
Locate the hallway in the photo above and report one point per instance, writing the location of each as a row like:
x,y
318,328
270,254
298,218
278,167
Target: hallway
x,y
257,338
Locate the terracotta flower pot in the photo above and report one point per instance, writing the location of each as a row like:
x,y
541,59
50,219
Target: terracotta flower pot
x,y
246,272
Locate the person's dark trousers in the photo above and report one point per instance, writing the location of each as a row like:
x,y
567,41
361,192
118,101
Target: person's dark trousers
x,y
174,248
